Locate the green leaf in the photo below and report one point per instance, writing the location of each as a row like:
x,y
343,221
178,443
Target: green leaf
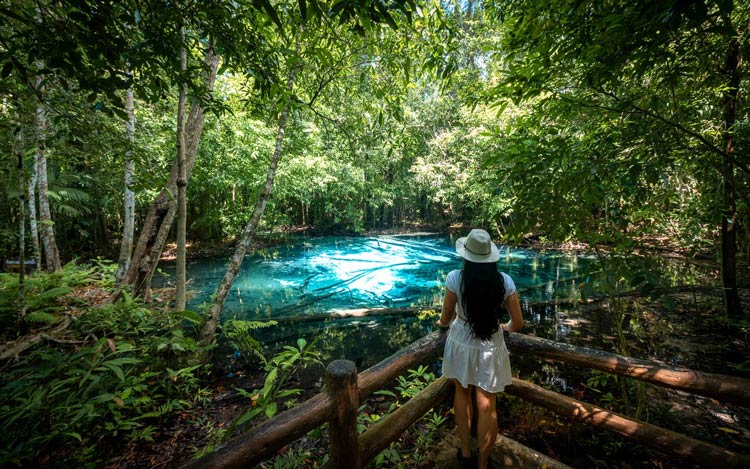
x,y
271,410
53,293
190,315
270,379
103,398
116,370
41,316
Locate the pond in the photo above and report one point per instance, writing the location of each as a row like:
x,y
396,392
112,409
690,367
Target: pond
x,y
313,275
305,276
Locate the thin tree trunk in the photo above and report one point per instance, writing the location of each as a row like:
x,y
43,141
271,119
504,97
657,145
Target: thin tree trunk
x,y
162,210
21,230
181,184
729,213
209,329
126,246
45,216
33,228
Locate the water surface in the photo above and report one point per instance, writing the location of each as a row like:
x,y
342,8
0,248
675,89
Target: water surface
x,y
314,275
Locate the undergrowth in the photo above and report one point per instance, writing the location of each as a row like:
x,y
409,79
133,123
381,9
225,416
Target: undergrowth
x,y
117,374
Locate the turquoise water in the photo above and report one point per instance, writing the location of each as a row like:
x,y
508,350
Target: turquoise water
x,y
305,276
314,275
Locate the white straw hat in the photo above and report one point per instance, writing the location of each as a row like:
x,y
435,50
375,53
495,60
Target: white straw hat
x,y
477,247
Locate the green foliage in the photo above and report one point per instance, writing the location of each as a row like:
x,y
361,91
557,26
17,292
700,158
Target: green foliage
x,y
118,376
414,382
44,295
279,370
237,334
425,433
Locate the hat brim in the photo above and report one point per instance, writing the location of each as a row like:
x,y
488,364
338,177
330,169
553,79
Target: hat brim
x,y
461,250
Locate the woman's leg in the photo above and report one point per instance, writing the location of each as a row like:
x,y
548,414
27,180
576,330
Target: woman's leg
x,y
462,409
486,425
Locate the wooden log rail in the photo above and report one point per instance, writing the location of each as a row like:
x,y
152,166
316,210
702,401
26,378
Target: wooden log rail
x,y
264,440
666,441
724,388
345,389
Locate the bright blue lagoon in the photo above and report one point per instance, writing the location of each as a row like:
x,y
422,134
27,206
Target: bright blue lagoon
x,y
314,275
305,276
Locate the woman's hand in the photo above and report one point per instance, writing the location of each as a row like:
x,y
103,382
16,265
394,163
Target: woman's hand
x,y
439,323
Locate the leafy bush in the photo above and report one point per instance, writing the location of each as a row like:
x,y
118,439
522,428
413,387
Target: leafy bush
x,y
117,376
42,295
279,370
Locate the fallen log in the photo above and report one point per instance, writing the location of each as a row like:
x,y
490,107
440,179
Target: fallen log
x,y
379,436
13,349
666,441
724,388
351,313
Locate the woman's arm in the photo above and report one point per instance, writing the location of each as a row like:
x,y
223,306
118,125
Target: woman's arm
x,y
449,308
516,318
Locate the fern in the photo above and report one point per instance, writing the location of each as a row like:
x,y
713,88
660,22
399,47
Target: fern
x,y
39,317
238,335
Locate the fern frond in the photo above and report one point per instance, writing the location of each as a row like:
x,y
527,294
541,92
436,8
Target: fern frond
x,y
38,317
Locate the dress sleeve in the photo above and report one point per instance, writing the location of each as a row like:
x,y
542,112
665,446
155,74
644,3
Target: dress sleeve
x,y
510,286
453,281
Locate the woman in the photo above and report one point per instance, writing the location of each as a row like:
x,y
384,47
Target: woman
x,y
476,357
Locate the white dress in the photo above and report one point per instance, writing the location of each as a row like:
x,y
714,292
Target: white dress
x,y
483,363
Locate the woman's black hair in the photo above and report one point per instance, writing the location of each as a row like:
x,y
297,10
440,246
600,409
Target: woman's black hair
x,y
482,297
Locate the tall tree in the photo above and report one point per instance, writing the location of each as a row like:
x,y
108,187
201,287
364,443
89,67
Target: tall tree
x,y
163,208
51,253
729,219
209,329
33,228
18,144
366,16
181,183
126,245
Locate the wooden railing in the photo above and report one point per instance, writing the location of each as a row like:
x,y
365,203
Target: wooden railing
x,y
345,389
264,440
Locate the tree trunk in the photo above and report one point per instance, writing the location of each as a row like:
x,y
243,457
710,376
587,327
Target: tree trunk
x,y
181,185
729,213
33,228
209,329
162,210
126,246
48,233
21,229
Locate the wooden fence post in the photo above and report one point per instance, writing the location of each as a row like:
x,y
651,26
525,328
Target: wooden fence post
x,y
341,382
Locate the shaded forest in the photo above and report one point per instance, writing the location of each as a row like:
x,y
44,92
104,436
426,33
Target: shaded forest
x,y
131,128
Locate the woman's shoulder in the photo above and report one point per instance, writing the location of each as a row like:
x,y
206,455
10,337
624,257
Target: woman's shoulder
x,y
453,279
510,285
